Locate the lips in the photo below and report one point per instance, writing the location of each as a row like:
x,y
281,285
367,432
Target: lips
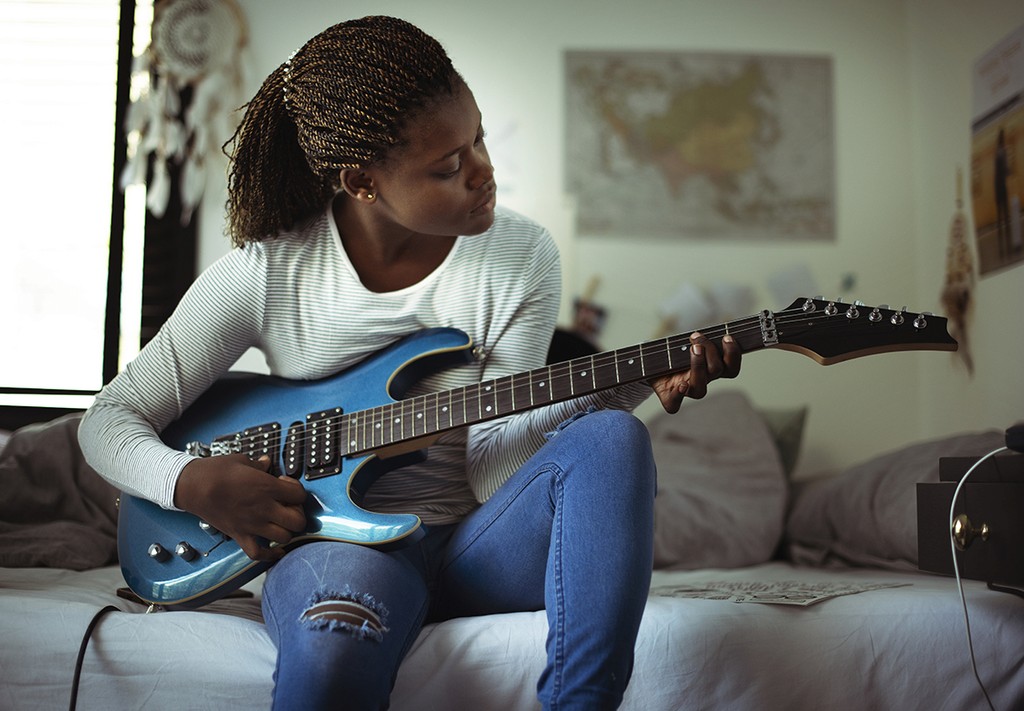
x,y
487,204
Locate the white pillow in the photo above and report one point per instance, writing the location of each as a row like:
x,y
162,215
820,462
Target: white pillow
x,y
721,486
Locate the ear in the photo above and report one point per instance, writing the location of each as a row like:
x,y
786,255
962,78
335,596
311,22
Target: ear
x,y
358,184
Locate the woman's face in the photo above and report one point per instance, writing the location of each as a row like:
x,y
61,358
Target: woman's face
x,y
440,181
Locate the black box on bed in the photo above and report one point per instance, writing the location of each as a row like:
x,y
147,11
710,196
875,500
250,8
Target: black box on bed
x,y
992,499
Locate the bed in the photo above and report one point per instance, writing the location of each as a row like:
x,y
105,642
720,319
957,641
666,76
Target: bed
x,y
740,550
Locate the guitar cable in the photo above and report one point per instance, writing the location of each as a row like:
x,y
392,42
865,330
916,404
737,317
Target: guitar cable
x,y
956,567
81,652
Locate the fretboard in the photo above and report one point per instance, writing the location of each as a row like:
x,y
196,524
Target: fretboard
x,y
435,413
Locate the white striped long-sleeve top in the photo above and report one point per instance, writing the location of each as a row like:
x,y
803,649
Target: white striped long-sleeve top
x,y
297,298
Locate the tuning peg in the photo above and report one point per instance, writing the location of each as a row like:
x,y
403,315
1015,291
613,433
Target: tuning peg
x,y
921,322
875,316
897,318
853,312
831,309
809,306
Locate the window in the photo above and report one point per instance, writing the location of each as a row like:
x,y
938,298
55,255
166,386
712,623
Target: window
x,y
66,329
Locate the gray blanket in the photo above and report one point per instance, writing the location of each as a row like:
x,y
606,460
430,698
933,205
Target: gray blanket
x,y
55,510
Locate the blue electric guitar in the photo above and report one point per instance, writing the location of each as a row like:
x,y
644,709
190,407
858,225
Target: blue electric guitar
x,y
336,435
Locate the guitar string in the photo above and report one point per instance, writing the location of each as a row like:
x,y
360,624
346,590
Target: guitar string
x,y
506,384
374,418
368,424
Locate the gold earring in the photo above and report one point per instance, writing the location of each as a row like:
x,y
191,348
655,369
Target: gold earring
x,y
370,197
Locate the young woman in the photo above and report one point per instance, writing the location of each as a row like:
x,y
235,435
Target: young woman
x,y
362,206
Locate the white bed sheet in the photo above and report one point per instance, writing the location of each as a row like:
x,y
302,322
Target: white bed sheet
x,y
896,648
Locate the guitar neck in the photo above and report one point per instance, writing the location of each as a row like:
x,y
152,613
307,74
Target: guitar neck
x,y
435,413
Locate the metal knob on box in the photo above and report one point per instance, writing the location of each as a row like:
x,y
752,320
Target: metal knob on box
x,y
964,534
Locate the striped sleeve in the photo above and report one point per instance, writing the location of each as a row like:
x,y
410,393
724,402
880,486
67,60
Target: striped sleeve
x,y
217,320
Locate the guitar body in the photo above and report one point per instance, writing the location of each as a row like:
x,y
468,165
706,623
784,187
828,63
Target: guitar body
x,y
217,565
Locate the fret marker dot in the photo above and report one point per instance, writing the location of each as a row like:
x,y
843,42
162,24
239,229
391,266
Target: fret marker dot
x,y
397,420
583,374
542,384
419,415
488,408
444,409
630,361
488,388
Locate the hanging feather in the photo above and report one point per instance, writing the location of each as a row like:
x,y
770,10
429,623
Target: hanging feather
x,y
159,191
193,182
958,291
195,54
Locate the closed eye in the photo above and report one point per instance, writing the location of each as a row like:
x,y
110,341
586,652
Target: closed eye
x,y
480,135
451,173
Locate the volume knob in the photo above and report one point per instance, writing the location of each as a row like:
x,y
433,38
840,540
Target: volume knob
x,y
186,552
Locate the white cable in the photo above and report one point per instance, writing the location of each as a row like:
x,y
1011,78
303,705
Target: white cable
x,y
956,570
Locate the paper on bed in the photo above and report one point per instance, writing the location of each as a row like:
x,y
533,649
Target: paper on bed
x,y
785,592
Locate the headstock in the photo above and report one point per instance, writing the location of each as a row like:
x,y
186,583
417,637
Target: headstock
x,y
835,331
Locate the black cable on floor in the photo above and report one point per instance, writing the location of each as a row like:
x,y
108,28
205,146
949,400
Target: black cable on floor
x,y
81,652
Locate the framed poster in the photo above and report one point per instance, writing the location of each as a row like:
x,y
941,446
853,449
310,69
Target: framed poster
x,y
997,154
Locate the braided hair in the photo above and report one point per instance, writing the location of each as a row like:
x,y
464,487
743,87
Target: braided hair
x,y
341,101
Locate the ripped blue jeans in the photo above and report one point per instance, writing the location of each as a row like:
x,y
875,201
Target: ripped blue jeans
x,y
570,533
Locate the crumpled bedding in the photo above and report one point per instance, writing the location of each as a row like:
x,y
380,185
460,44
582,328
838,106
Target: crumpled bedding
x,y
55,510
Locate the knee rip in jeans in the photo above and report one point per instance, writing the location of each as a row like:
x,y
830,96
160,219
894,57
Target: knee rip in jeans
x,y
358,614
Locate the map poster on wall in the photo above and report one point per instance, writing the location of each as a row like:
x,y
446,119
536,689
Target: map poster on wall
x,y
997,154
697,145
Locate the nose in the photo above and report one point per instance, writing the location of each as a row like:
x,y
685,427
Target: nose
x,y
482,172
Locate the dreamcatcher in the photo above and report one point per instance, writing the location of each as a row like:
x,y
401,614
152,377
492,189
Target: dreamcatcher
x,y
183,113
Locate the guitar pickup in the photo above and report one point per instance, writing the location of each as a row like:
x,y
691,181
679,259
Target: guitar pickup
x,y
294,450
323,435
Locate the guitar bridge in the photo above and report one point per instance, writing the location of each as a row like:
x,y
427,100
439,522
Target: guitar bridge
x,y
198,449
253,442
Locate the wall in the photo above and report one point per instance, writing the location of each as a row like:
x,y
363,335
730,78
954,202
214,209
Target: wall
x,y
946,39
901,74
